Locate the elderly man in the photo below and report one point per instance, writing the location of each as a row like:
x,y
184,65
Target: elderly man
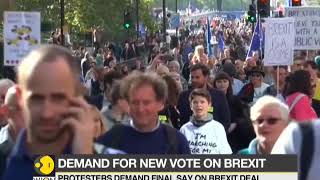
x,y
174,66
146,94
239,65
5,84
9,133
269,117
58,120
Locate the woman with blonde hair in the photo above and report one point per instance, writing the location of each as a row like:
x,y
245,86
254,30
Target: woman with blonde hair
x,y
99,122
199,56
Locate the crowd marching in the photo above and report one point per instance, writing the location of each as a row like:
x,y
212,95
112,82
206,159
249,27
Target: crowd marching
x,y
149,97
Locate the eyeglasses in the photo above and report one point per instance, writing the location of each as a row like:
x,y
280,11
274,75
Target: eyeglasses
x,y
270,121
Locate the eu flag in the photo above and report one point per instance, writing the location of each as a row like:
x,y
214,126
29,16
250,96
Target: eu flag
x,y
256,41
220,40
209,50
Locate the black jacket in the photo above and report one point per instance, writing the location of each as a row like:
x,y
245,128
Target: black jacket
x,y
242,135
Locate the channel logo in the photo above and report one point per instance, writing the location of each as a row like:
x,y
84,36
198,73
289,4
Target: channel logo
x,y
44,168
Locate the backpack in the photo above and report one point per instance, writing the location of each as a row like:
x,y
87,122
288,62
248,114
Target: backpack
x,y
118,132
307,149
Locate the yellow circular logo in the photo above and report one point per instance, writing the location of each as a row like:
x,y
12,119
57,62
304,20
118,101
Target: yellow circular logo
x,y
44,165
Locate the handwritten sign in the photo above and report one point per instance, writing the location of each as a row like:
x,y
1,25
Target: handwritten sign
x,y
307,27
279,41
21,35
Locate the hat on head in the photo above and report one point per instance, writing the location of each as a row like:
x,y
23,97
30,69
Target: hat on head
x,y
229,68
256,69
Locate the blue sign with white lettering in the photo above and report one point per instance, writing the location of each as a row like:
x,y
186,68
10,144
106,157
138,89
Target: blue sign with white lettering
x,y
175,21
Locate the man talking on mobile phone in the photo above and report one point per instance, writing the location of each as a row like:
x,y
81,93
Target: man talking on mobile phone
x,y
58,119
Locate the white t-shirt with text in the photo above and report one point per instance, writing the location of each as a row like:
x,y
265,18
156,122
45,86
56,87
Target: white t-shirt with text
x,y
209,138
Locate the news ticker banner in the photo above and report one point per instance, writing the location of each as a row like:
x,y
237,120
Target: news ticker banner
x,y
166,167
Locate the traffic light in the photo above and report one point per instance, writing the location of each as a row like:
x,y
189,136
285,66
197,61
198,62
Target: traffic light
x,y
127,21
252,15
296,2
263,8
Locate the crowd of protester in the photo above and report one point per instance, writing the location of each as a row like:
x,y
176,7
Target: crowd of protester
x,y
177,100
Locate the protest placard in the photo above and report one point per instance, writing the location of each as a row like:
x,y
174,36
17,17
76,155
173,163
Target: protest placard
x,y
307,27
175,21
21,35
279,41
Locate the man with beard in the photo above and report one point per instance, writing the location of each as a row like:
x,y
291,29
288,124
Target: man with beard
x,y
58,120
9,133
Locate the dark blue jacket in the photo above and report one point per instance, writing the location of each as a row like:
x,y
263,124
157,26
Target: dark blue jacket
x,y
20,164
96,101
133,142
221,112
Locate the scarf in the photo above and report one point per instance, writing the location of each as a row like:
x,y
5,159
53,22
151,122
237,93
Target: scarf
x,y
201,122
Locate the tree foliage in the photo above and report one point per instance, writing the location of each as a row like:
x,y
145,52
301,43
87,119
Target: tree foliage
x,y
107,15
205,4
83,15
1,31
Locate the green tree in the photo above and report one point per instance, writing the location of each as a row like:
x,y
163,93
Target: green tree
x,y
83,15
1,31
1,50
146,15
205,4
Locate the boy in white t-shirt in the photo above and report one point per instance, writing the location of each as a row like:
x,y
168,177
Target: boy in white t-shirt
x,y
204,134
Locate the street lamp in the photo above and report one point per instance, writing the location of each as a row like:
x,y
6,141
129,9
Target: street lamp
x,y
164,19
62,21
137,16
176,13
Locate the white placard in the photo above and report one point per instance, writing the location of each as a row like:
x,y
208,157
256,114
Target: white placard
x,y
21,35
279,41
307,27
